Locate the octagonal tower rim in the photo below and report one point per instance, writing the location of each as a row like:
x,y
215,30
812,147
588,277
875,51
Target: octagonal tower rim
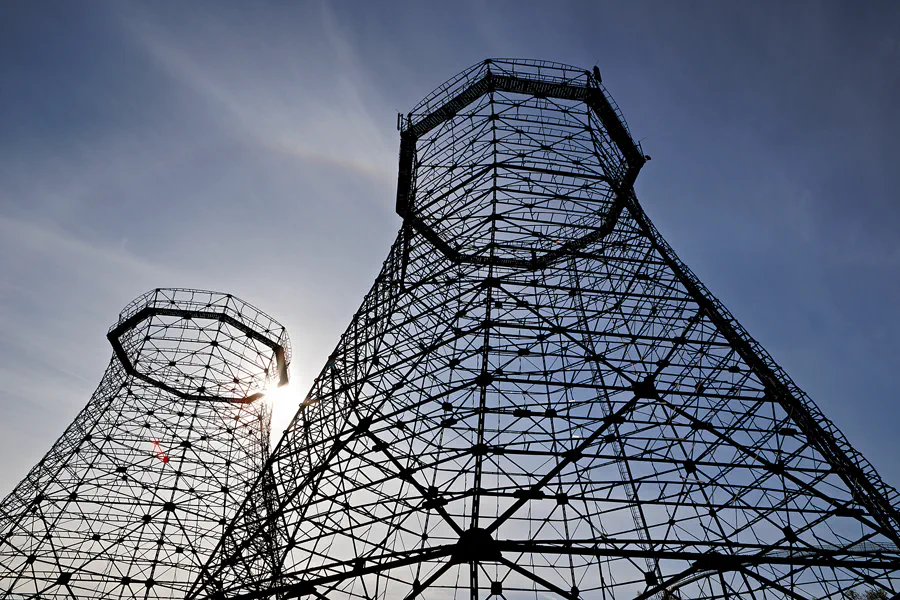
x,y
143,307
539,79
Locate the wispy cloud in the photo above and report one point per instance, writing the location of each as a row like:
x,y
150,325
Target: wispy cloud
x,y
270,91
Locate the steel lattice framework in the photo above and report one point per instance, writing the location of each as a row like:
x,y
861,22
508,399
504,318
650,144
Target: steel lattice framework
x,y
538,399
132,499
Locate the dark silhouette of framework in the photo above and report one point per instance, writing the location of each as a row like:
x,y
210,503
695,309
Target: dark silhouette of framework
x,y
132,499
538,399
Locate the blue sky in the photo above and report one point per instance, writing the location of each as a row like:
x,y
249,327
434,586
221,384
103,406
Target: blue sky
x,y
252,149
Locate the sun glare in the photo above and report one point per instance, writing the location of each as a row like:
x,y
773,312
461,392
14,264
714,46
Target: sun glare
x,y
277,395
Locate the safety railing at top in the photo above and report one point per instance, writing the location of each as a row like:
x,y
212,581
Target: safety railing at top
x,y
207,301
535,70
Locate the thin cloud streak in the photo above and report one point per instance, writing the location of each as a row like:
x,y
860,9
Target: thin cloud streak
x,y
274,108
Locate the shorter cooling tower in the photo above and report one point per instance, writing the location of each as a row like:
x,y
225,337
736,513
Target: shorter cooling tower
x,y
135,495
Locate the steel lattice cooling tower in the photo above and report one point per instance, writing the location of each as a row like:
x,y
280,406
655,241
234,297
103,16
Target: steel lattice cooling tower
x,y
133,497
538,399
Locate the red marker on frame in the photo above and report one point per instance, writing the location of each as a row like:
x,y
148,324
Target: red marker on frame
x,y
160,453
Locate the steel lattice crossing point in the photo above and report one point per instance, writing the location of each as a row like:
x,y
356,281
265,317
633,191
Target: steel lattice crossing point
x,y
135,495
538,399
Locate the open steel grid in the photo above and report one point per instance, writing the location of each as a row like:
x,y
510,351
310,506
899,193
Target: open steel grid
x,y
538,399
134,496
